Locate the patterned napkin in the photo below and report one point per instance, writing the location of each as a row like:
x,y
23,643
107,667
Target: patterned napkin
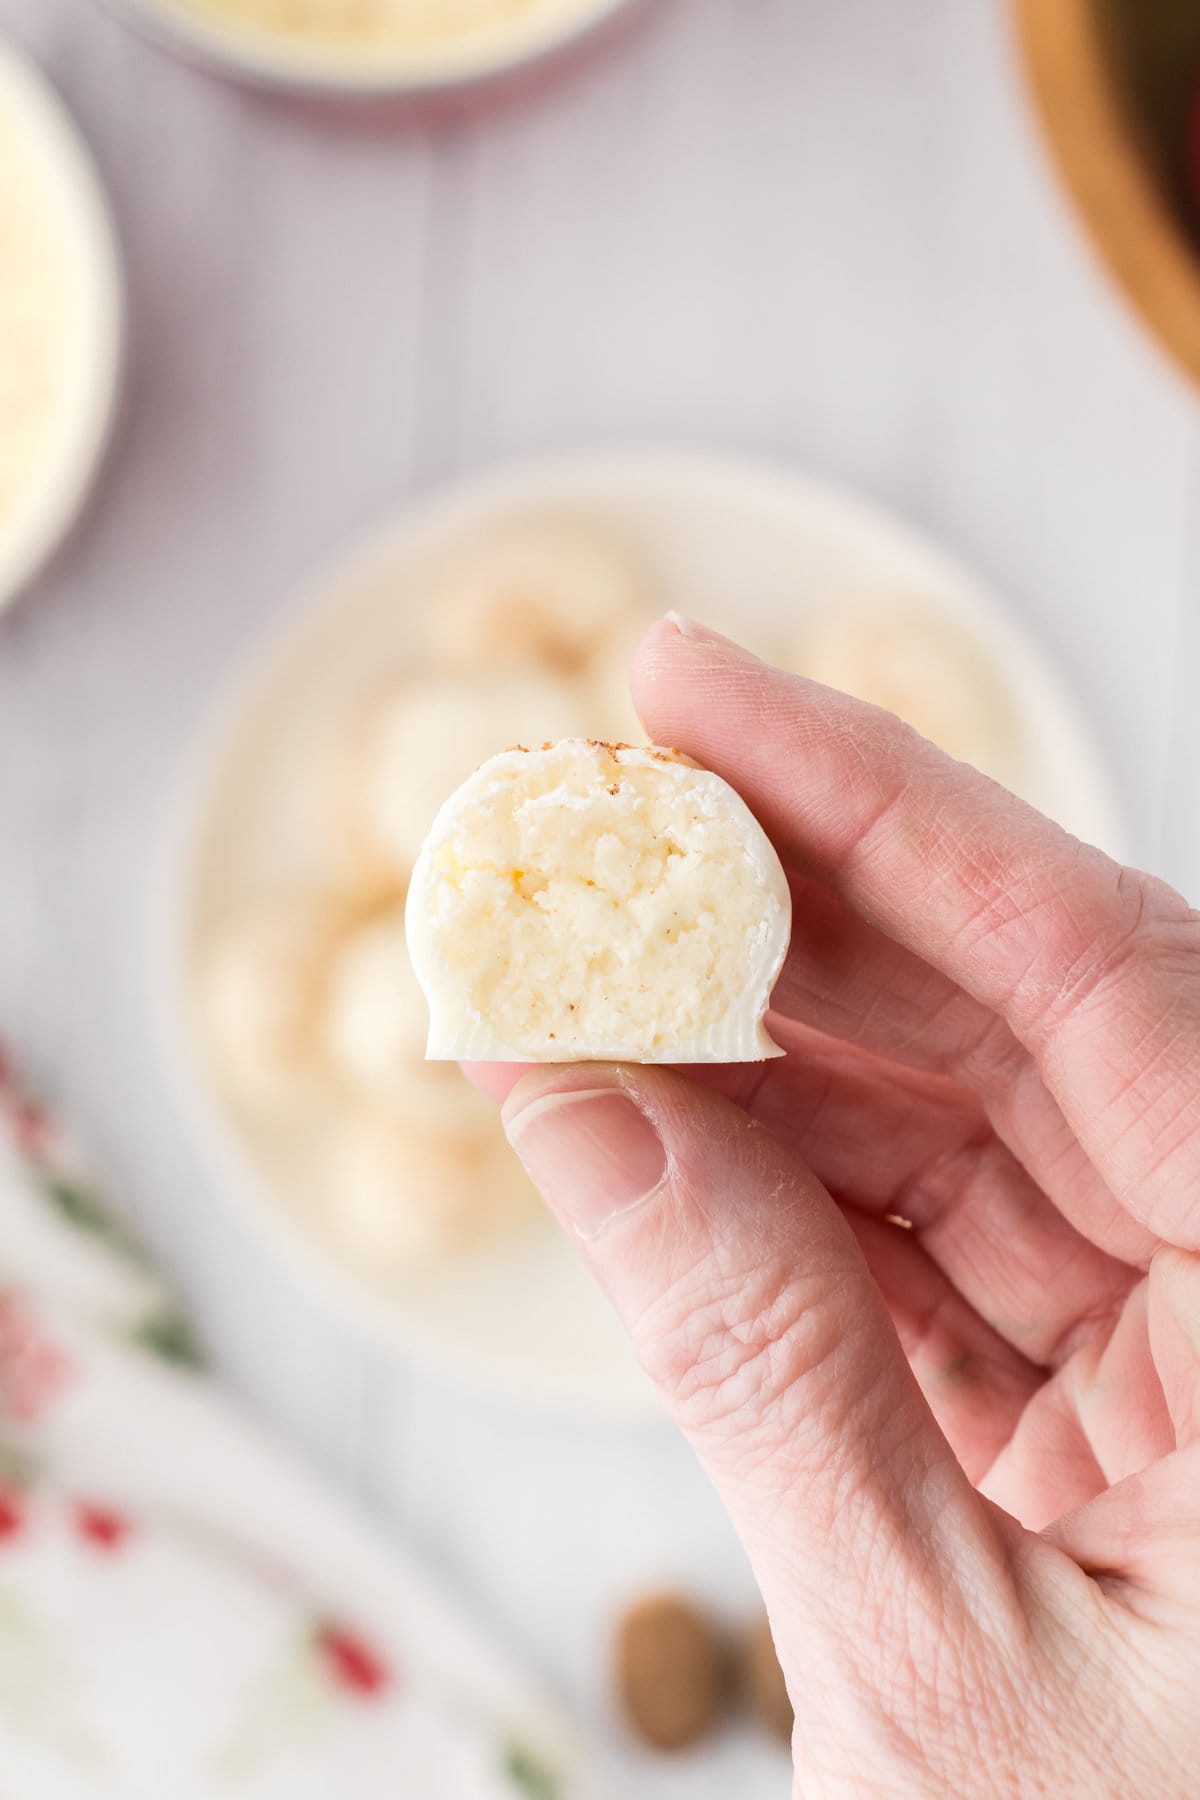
x,y
184,1610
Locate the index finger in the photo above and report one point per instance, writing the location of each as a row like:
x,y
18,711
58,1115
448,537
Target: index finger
x,y
1095,968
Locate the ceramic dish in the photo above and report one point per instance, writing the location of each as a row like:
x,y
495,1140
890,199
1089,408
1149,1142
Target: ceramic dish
x,y
268,58
737,543
74,224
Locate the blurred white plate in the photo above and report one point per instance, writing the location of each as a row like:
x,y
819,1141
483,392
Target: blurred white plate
x,y
49,502
269,58
727,540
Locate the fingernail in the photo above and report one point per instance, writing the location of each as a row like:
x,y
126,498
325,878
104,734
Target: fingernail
x,y
695,633
692,629
591,1153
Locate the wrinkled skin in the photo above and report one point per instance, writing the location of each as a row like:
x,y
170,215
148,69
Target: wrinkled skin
x,y
961,1451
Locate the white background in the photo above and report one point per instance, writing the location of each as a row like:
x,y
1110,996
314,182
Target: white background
x,y
819,229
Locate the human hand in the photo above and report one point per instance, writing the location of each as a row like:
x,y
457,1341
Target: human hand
x,y
961,1452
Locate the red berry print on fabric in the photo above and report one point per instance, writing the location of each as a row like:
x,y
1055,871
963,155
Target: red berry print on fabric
x,y
101,1526
30,1126
354,1666
33,1368
12,1513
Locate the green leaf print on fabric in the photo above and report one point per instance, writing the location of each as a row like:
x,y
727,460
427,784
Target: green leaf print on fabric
x,y
529,1776
168,1334
75,1204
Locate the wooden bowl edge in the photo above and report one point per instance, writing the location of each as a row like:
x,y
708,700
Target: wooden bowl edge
x,y
1130,223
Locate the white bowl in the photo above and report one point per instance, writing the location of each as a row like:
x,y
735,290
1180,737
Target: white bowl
x,y
727,539
264,57
50,503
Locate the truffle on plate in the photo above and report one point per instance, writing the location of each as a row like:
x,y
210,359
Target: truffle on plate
x,y
375,1025
553,592
262,984
395,1195
904,657
410,747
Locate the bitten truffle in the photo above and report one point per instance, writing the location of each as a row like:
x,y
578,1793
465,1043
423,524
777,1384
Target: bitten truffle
x,y
594,901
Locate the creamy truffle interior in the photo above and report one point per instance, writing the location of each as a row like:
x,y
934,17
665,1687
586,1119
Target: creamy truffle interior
x,y
596,900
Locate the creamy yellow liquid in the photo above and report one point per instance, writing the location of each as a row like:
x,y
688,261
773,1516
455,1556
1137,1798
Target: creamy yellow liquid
x,y
35,322
393,25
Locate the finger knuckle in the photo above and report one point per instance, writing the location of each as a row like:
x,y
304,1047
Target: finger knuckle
x,y
733,1346
1086,932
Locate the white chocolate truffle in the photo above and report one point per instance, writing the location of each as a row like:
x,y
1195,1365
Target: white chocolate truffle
x,y
594,901
395,1197
551,592
375,1026
262,984
913,663
419,743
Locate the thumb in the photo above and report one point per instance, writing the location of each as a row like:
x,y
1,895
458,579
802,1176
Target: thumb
x,y
752,1311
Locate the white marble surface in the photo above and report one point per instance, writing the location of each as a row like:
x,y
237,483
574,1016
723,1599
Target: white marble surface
x,y
823,231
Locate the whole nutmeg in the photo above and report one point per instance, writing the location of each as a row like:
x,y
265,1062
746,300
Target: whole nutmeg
x,y
672,1671
760,1680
